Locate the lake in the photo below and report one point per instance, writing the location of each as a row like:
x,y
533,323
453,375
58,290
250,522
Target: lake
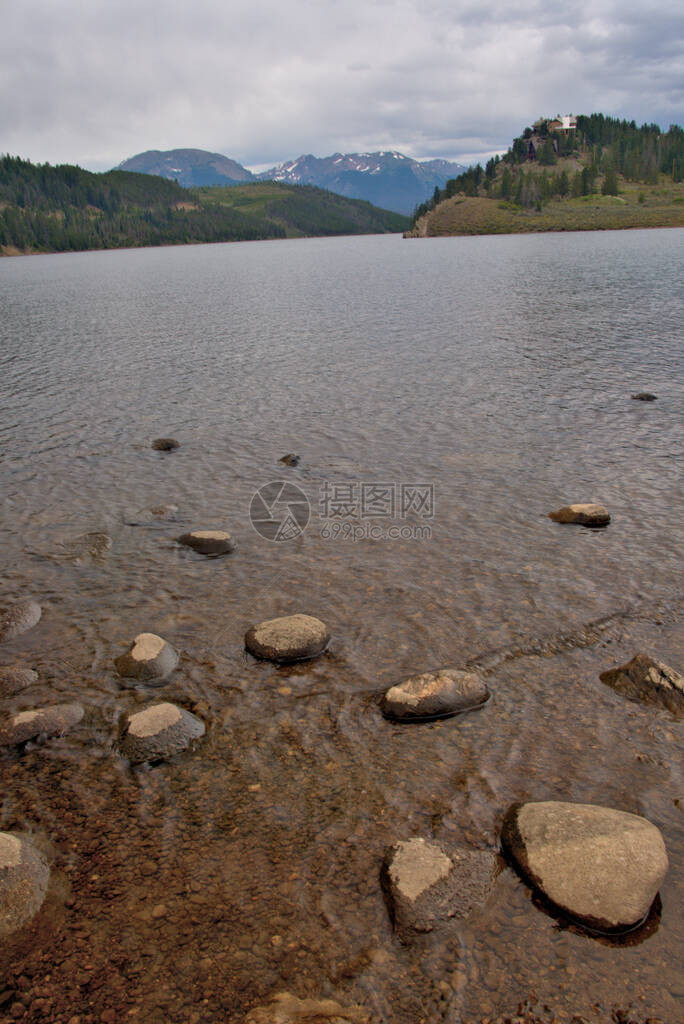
x,y
443,396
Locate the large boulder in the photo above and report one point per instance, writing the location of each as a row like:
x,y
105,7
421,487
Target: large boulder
x,y
52,720
149,658
427,885
15,678
434,695
24,877
644,678
290,638
600,866
16,618
583,515
208,542
159,732
284,1008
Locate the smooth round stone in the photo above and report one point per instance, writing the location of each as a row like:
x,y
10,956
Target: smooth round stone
x,y
285,1008
600,866
584,515
208,542
434,695
24,877
149,657
290,638
427,885
16,678
165,444
18,618
53,720
159,732
645,679
644,396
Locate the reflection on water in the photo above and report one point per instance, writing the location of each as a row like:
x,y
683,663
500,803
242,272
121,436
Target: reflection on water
x,y
497,370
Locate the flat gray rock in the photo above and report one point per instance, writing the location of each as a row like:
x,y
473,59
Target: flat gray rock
x,y
434,695
643,678
24,877
149,658
159,732
587,514
284,1008
427,884
208,542
52,720
600,866
290,638
17,618
15,678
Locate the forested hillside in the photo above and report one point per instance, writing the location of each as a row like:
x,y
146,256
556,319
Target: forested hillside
x,y
635,175
58,209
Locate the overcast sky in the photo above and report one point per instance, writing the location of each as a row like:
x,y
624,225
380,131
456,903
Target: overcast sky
x,y
96,81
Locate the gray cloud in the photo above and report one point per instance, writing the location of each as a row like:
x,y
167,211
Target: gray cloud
x,y
95,82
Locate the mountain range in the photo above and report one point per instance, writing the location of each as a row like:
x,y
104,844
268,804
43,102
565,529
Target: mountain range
x,y
387,179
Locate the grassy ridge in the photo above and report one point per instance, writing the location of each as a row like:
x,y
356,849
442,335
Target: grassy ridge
x,y
60,209
661,206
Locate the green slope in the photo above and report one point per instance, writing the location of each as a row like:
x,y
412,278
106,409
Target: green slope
x,y
58,209
605,174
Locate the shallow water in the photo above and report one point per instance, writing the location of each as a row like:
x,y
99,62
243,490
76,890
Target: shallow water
x,y
497,371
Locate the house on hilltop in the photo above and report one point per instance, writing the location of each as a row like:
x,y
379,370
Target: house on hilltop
x,y
563,123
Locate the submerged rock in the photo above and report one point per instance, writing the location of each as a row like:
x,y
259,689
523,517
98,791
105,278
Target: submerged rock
x,y
290,460
159,732
584,515
643,678
152,514
426,886
290,638
149,657
53,720
432,695
600,866
208,542
15,678
644,396
86,545
17,618
165,444
24,877
284,1008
